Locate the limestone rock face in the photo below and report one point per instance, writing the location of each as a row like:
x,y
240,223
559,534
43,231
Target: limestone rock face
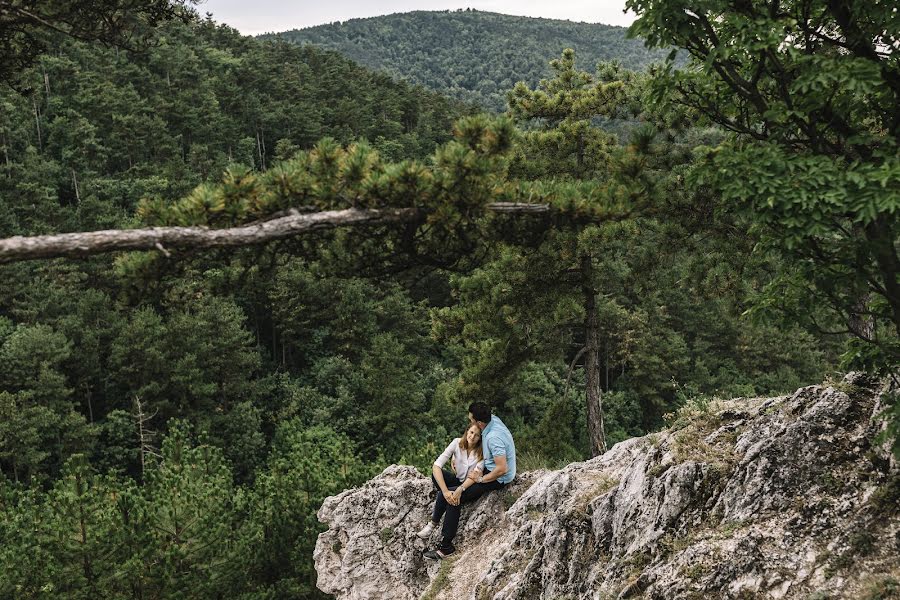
x,y
786,497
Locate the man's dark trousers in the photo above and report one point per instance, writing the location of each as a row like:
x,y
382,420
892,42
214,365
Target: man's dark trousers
x,y
450,512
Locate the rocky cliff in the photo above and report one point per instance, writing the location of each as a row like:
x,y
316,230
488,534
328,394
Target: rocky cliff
x,y
750,498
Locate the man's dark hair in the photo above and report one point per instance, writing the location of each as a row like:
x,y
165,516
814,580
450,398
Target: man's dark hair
x,y
481,411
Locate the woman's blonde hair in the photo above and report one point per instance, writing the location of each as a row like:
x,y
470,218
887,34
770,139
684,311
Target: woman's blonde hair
x,y
464,443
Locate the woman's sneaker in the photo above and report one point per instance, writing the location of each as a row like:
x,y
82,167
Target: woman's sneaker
x,y
425,532
439,553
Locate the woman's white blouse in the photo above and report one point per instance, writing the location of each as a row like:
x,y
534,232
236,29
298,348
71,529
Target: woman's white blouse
x,y
465,462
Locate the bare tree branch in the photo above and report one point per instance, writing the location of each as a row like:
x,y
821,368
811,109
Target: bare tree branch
x,y
164,239
572,368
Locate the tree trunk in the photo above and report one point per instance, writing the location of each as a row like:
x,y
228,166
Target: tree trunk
x,y
90,404
6,150
86,565
606,366
75,185
262,162
274,341
593,393
37,121
46,82
881,236
860,323
262,135
579,155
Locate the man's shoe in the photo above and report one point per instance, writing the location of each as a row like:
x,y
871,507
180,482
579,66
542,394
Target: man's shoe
x,y
425,532
438,554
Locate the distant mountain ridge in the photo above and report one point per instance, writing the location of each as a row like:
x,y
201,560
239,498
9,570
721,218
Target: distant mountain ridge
x,y
472,55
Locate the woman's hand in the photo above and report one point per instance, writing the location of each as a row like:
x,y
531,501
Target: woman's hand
x,y
448,496
455,497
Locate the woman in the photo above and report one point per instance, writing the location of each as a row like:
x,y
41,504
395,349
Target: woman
x,y
468,460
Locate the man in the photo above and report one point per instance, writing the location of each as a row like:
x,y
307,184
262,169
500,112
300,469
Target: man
x,y
499,469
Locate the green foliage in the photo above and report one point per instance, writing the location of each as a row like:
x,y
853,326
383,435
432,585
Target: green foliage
x,y
118,444
813,159
189,515
462,180
881,587
197,359
188,532
27,28
40,425
306,465
474,56
441,580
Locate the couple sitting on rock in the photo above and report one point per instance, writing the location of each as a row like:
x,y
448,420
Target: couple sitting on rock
x,y
484,459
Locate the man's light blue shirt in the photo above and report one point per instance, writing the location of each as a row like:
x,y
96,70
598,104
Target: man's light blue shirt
x,y
496,440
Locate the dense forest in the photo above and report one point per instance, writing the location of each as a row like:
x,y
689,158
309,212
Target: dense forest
x,y
471,55
97,130
172,419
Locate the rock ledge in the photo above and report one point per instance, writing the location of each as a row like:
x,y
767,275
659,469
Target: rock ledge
x,y
754,498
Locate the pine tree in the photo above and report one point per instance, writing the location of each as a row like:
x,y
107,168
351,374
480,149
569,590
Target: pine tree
x,y
563,109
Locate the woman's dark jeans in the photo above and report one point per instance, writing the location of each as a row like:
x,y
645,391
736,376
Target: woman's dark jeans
x,y
451,513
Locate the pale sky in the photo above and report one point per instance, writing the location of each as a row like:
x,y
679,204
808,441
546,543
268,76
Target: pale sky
x,y
260,16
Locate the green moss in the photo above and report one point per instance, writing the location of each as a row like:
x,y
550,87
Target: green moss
x,y
636,563
669,544
689,445
881,587
658,469
534,513
853,391
830,483
862,543
441,580
695,571
509,496
730,527
386,534
886,499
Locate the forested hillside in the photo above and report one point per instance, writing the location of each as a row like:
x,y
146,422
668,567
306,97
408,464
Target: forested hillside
x,y
95,130
474,56
171,420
